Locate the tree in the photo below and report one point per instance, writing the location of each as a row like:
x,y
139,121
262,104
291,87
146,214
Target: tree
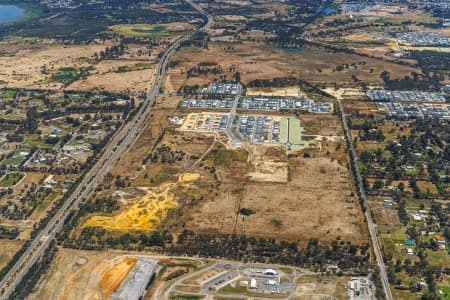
x,y
378,184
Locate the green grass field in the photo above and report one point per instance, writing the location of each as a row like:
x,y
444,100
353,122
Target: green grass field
x,y
143,30
438,258
290,131
445,292
15,160
11,179
7,94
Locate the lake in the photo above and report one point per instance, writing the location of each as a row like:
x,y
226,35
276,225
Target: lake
x,y
10,13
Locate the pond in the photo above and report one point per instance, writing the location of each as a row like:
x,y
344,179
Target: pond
x,y
10,13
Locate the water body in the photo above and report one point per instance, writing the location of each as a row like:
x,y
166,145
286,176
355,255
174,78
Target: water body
x,y
10,13
327,10
291,49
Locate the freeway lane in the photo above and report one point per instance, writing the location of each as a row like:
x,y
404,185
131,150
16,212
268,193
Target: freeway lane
x,y
368,214
121,141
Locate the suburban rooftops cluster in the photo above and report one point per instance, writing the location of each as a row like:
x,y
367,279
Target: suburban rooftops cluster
x,y
407,96
422,38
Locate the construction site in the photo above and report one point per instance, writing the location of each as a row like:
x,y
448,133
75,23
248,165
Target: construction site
x,y
217,164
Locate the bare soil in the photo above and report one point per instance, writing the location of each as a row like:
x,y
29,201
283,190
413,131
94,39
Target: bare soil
x,y
315,203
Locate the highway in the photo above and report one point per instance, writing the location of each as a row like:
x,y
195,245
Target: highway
x,y
368,214
122,141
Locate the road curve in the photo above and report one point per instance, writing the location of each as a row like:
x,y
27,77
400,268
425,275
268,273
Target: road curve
x,y
368,214
120,143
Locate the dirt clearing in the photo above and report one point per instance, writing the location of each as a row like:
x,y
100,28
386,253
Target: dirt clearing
x,y
144,213
315,203
113,277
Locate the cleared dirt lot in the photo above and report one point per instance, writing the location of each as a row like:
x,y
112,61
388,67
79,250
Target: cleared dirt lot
x,y
113,277
384,215
316,288
315,203
77,274
268,164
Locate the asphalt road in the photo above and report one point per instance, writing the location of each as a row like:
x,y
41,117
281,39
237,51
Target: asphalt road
x,y
368,214
119,144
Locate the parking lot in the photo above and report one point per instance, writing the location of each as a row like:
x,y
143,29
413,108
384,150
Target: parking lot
x,y
219,280
405,96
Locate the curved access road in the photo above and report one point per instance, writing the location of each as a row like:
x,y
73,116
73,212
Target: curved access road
x,y
122,141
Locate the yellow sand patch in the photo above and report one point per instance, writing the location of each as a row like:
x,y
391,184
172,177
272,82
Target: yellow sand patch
x,y
288,91
359,37
145,212
187,177
112,278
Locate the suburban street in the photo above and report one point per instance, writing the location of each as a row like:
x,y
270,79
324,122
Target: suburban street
x,y
122,141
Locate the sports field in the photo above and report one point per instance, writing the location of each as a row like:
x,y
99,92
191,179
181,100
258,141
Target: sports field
x,y
291,133
150,30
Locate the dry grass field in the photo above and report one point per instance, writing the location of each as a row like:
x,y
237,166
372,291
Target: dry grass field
x,y
31,56
76,274
131,163
317,288
7,251
259,61
287,91
384,215
315,203
324,125
36,61
105,78
363,108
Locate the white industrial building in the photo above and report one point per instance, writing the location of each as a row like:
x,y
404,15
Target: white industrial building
x,y
136,283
